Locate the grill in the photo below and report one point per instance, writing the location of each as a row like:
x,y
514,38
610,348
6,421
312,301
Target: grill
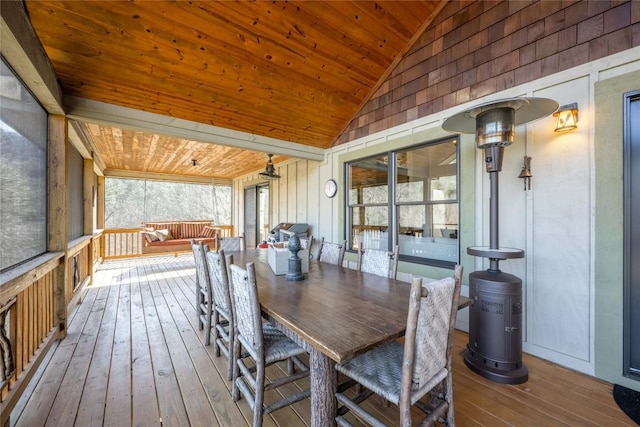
x,y
495,317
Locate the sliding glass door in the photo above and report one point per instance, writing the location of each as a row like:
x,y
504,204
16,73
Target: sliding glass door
x,y
632,236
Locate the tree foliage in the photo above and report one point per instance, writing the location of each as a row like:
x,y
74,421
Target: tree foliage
x,y
129,202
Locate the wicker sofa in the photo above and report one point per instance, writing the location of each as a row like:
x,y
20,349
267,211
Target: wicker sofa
x,y
175,236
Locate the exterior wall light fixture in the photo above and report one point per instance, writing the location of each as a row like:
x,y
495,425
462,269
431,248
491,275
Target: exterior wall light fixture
x,y
566,117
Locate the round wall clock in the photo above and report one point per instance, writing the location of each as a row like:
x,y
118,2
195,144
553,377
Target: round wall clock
x,y
330,188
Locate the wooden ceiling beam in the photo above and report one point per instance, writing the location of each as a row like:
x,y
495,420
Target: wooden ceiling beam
x,y
118,173
22,49
78,133
86,110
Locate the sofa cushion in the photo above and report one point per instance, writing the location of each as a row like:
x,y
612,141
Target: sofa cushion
x,y
190,230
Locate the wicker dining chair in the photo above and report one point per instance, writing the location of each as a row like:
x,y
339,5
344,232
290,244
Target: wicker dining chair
x,y
332,253
404,374
258,344
204,293
380,263
230,244
307,243
222,320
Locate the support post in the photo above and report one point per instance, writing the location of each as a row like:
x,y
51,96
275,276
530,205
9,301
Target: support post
x,y
89,197
100,203
58,230
494,237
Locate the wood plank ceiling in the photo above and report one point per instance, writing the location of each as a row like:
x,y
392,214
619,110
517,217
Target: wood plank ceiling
x,y
296,71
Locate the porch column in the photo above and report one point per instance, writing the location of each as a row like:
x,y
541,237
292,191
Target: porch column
x,y
58,229
89,200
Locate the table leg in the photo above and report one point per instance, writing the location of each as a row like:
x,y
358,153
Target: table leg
x,y
323,389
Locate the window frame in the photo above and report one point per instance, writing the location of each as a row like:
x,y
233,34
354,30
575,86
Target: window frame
x,y
393,205
42,238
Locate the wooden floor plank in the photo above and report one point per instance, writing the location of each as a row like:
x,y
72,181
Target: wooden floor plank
x,y
30,388
118,405
170,404
19,408
143,388
92,403
64,411
210,378
294,415
45,392
214,380
147,350
193,395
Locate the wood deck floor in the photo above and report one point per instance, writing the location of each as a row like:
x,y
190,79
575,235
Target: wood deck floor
x,y
134,356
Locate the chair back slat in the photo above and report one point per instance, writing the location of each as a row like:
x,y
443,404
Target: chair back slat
x,y
217,265
244,294
432,334
230,244
378,262
332,253
202,278
305,244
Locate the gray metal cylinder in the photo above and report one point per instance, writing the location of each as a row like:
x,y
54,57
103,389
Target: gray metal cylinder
x,y
495,127
495,327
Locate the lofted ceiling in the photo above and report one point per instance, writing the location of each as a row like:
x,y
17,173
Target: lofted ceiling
x,y
291,71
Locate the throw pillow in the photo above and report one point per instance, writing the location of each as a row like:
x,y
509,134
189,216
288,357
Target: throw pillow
x,y
164,235
150,236
208,232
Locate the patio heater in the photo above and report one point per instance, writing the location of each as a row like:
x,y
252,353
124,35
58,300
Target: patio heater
x,y
495,317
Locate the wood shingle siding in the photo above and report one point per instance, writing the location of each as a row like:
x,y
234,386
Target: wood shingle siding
x,y
475,49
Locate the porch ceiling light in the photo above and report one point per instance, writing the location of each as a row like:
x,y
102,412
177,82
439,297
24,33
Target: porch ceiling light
x,y
566,117
269,170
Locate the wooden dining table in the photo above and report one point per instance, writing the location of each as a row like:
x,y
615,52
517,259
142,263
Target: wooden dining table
x,y
335,313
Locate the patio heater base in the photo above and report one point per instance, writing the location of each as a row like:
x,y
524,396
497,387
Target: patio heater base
x,y
495,327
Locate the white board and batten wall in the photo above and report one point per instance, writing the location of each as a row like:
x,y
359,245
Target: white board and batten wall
x,y
553,221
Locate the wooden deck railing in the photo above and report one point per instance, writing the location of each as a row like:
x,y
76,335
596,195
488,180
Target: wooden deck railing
x,y
79,265
35,298
97,246
121,243
225,230
29,324
127,242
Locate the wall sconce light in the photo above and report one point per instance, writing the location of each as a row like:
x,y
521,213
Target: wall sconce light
x,y
526,173
194,162
566,117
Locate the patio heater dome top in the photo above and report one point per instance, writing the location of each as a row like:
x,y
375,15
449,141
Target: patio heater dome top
x,y
525,109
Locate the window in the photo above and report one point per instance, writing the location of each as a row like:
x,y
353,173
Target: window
x,y
129,202
406,197
23,172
